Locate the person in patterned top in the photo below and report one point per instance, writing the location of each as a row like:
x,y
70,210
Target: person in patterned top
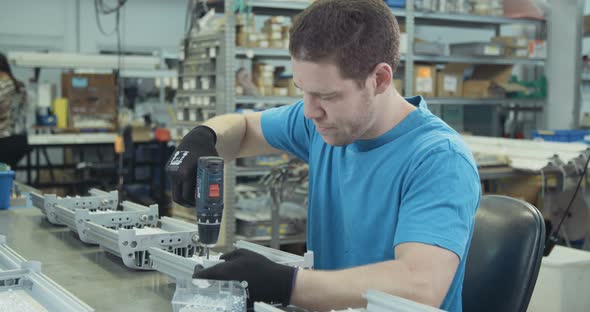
x,y
12,101
13,116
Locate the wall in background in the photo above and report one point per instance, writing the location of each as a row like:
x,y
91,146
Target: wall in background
x,y
52,25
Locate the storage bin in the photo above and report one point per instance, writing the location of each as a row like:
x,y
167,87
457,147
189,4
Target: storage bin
x,y
6,179
563,283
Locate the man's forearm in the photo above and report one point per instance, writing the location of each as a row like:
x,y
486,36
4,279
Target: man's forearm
x,y
230,130
326,290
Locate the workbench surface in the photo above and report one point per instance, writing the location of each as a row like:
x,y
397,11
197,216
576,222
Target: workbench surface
x,y
96,277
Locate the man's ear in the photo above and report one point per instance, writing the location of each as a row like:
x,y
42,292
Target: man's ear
x,y
383,75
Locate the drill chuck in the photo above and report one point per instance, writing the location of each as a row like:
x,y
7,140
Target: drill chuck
x,y
209,201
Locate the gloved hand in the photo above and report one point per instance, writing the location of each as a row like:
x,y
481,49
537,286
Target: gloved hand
x,y
182,166
267,281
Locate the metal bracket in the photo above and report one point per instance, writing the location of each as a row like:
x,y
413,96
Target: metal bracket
x,y
98,200
132,245
132,216
182,268
18,274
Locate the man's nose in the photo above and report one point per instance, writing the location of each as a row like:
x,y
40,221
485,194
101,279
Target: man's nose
x,y
312,108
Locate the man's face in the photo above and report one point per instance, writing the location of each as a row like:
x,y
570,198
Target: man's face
x,y
341,110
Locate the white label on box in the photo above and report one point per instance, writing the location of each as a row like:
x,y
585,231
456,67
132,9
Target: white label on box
x,y
174,83
193,84
424,84
180,115
250,53
205,83
186,85
450,83
206,100
491,50
199,101
194,100
212,52
192,114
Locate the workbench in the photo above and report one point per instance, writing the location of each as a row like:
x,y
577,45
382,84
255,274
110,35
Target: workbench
x,y
94,276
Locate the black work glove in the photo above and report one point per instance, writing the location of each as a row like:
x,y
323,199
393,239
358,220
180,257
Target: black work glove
x,y
182,166
267,281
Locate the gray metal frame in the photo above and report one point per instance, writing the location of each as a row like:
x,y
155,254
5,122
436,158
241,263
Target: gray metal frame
x,y
19,274
132,216
181,268
97,200
132,245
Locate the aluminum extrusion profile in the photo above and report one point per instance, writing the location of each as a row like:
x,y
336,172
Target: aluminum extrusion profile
x,y
132,216
97,200
132,245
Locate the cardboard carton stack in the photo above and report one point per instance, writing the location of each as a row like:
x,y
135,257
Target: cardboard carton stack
x,y
274,33
263,75
490,81
246,35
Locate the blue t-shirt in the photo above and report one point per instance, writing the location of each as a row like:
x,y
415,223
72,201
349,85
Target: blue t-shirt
x,y
418,182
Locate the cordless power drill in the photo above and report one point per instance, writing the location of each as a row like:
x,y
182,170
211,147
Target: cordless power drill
x,y
209,201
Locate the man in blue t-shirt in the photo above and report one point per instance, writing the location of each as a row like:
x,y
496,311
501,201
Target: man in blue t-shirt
x,y
393,190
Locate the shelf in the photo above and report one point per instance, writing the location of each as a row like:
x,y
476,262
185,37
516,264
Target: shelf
x,y
251,172
284,54
195,74
478,60
264,52
466,101
186,93
450,19
284,239
267,100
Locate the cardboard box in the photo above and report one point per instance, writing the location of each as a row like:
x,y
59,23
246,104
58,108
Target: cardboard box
x,y
512,41
280,91
517,52
90,96
490,81
587,23
425,80
450,80
538,49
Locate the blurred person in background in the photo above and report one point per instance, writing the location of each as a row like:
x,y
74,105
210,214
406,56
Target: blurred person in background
x,y
13,116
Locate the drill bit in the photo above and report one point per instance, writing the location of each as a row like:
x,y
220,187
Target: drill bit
x,y
207,252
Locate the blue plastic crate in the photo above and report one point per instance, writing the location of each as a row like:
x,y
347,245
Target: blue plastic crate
x,y
561,135
396,3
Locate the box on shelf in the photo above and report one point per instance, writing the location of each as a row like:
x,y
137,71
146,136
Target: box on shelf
x,y
477,49
91,100
289,84
425,80
450,80
428,48
514,46
587,23
538,49
490,81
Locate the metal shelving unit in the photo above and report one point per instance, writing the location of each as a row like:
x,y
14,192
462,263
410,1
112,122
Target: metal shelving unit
x,y
478,60
229,55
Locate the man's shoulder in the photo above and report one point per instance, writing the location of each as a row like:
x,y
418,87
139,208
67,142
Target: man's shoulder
x,y
438,137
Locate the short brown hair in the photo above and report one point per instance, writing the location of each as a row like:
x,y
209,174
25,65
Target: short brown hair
x,y
355,35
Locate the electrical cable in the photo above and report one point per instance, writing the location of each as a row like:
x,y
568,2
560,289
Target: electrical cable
x,y
553,238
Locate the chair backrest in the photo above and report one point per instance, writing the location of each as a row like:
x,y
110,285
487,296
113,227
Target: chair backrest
x,y
505,255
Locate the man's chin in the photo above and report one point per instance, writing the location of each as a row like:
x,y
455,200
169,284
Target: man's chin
x,y
335,141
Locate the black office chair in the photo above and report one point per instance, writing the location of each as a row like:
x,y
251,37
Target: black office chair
x,y
505,255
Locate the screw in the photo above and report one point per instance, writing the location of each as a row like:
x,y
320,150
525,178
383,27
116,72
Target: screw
x,y
195,238
144,218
